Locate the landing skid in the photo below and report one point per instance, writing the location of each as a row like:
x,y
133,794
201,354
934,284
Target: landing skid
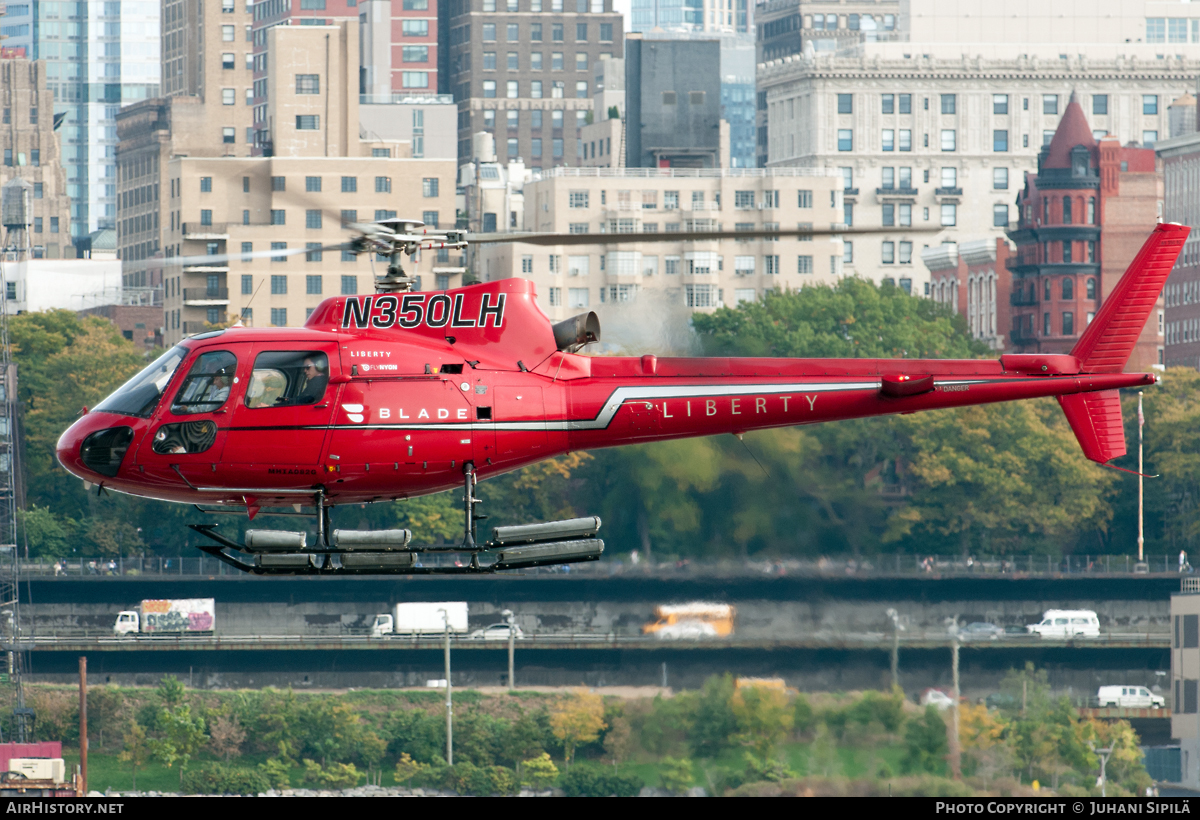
x,y
388,552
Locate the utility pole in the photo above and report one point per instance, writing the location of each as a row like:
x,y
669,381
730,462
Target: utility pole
x,y
1103,755
449,703
955,745
512,639
1141,423
895,616
83,733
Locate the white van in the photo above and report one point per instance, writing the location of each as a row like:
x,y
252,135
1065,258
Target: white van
x,y
1066,623
1134,697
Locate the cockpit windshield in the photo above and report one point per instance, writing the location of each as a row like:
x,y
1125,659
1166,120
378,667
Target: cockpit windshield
x,y
139,395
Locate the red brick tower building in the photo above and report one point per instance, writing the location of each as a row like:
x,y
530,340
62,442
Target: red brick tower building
x,y
1081,220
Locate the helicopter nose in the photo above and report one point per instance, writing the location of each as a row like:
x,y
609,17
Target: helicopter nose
x,y
93,448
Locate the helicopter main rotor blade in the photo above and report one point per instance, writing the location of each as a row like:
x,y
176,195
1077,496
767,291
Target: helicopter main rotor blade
x,y
221,259
679,236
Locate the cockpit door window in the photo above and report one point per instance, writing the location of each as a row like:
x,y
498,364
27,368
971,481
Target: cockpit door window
x,y
207,385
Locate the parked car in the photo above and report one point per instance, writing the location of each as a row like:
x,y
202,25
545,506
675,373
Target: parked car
x,y
938,698
980,631
1067,623
1134,697
1002,700
1014,629
496,632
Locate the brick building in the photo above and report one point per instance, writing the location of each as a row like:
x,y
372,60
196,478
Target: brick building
x,y
1082,218
973,279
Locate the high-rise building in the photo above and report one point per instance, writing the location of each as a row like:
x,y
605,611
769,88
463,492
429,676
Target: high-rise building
x,y
1180,158
328,163
522,71
398,53
673,103
99,56
690,276
935,128
711,16
31,153
1082,217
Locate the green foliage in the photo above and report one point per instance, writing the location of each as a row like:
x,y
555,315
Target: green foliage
x,y
218,778
137,749
181,736
276,773
803,716
331,776
590,780
467,778
539,773
407,769
852,318
676,774
715,722
416,733
171,691
763,718
926,745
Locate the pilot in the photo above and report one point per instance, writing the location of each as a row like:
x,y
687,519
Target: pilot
x,y
316,378
218,391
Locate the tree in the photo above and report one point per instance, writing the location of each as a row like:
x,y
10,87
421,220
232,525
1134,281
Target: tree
x,y
925,743
852,318
407,768
226,736
676,774
576,720
47,534
539,773
137,749
619,742
182,736
763,718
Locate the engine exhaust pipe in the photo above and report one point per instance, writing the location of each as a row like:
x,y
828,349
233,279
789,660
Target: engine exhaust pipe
x,y
574,333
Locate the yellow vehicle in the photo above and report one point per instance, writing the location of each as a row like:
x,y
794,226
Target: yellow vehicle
x,y
691,621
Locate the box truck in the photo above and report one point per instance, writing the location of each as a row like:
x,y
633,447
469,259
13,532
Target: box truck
x,y
421,619
169,615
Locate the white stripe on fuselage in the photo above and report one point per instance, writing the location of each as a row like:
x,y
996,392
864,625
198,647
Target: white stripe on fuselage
x,y
624,394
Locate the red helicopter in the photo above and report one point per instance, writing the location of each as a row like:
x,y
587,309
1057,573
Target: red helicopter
x,y
404,393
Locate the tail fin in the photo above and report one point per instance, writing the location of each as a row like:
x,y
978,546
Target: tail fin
x,y
1108,341
1096,420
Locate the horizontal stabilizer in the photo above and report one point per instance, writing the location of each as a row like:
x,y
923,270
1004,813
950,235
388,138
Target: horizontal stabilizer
x,y
1096,420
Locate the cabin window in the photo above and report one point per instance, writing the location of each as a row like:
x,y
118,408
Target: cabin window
x,y
207,384
288,378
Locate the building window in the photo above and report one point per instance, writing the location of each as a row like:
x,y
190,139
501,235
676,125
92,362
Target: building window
x,y
1149,104
1156,30
948,103
905,104
228,96
1091,288
556,145
845,139
847,253
228,136
888,253
581,91
489,61
414,79
420,28
1068,287
999,103
949,215
206,185
577,199
889,104
278,216
889,215
581,32
1000,179
1000,216
1067,253
1099,103
279,246
905,139
1068,323
349,285
1149,138
489,89
1000,140
308,84
1066,210
383,185
414,54
308,122
905,256
312,184
278,183
279,317
313,284
1049,103
845,103
948,139
889,140
228,33
313,253
312,219
206,217
349,185
247,249
278,284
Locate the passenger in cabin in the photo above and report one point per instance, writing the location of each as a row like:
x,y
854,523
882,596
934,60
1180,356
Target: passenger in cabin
x,y
316,378
218,391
